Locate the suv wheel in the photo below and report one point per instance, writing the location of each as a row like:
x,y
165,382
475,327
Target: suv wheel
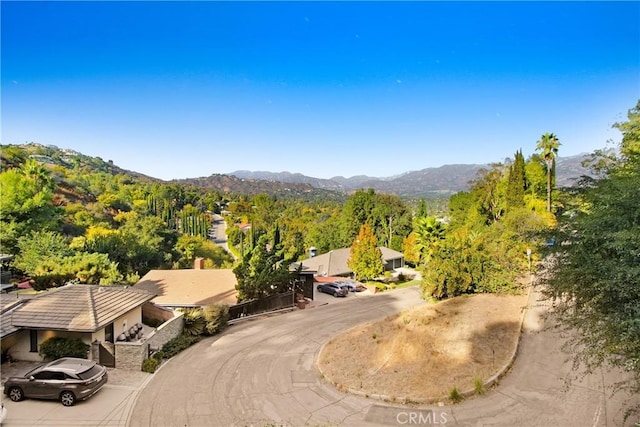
x,y
67,398
15,394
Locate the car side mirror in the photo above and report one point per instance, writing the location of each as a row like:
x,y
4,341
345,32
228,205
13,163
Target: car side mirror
x,y
31,378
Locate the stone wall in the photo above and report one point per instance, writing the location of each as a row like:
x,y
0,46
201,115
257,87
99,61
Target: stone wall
x,y
130,355
166,332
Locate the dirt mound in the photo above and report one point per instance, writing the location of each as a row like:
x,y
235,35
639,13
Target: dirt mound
x,y
423,353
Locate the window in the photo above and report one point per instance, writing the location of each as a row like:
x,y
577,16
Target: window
x,y
44,375
58,376
91,372
33,338
108,333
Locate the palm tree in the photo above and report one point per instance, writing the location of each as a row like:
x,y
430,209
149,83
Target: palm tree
x,y
548,145
36,172
429,234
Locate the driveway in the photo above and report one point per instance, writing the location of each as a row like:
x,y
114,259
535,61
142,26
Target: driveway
x,y
262,372
109,407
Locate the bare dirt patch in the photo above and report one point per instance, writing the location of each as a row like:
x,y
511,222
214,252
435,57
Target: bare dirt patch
x,y
421,354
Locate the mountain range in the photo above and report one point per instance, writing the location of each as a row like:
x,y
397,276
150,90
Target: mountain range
x,y
429,182
433,182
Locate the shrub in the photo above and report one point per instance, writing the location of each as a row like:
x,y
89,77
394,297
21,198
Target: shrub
x,y
478,385
57,347
194,322
158,355
455,395
178,344
216,317
150,365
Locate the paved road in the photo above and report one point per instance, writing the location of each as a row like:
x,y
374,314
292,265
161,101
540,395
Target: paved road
x,y
218,233
262,372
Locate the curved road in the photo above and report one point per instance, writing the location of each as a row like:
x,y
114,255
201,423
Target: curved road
x,y
262,372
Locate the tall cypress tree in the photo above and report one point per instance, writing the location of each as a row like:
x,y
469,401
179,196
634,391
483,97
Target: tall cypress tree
x,y
517,181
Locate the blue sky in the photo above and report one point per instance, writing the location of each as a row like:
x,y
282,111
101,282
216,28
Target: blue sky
x,y
188,89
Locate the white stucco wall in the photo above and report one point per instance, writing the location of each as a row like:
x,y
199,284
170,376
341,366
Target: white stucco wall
x,y
125,322
20,343
21,349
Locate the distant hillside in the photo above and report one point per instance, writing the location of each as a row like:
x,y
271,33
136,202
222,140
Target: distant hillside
x,y
11,155
288,177
251,187
569,169
56,160
429,182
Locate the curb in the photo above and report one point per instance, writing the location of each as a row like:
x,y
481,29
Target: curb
x,y
134,399
263,314
431,400
494,379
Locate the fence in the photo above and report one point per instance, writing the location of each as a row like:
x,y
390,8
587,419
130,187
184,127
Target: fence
x,y
270,303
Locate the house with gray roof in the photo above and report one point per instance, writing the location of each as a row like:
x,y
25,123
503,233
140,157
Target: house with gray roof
x,y
334,263
95,314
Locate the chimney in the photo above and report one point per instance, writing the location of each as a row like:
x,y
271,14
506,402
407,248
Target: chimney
x,y
198,264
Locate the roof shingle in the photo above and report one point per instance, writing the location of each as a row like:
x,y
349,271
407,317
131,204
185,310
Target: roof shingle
x,y
191,287
78,308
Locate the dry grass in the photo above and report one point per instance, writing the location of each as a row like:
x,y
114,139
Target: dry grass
x,y
424,352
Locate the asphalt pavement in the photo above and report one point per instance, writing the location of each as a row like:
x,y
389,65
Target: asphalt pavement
x,y
262,372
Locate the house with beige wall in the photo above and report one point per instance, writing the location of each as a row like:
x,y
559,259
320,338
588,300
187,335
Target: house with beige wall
x,y
95,314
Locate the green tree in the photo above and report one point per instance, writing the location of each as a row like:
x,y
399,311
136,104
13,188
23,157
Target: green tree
x,y
262,272
422,209
517,182
451,271
536,174
594,276
192,247
357,211
39,247
49,261
429,234
90,268
37,173
548,146
365,259
26,205
324,233
489,190
392,220
410,249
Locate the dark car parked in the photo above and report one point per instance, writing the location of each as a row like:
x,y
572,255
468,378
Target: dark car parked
x,y
351,285
68,379
332,289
